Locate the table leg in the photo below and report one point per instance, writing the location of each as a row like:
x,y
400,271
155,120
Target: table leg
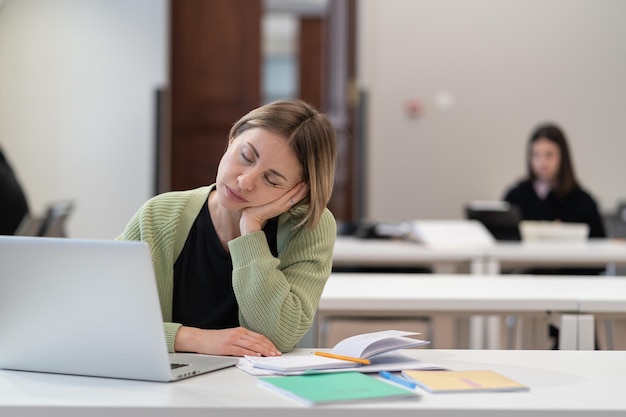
x,y
492,266
477,332
493,332
444,268
478,266
586,332
577,332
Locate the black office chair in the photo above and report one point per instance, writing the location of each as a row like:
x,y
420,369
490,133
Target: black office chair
x,y
29,226
615,222
51,224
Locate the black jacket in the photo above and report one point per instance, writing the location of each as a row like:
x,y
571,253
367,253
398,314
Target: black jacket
x,y
13,205
576,207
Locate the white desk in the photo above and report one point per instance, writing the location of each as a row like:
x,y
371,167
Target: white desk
x,y
593,253
352,251
604,253
573,298
562,383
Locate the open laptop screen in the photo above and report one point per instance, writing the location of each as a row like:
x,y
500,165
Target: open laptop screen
x,y
499,217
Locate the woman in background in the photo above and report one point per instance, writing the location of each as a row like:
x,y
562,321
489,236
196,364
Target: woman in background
x,y
550,190
241,264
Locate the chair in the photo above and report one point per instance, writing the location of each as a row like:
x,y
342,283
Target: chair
x,y
51,224
29,226
615,222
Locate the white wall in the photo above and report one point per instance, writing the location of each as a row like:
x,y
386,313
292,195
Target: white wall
x,y
508,65
77,81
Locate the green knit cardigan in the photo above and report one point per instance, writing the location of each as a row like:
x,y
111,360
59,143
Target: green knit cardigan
x,y
277,297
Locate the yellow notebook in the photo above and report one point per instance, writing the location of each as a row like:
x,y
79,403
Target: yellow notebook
x,y
463,381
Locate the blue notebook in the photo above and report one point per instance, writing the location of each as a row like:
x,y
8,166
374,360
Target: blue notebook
x,y
335,388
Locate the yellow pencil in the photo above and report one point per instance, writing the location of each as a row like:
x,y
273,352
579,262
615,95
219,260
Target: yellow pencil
x,y
345,358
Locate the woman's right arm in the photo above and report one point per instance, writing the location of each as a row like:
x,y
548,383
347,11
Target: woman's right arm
x,y
237,341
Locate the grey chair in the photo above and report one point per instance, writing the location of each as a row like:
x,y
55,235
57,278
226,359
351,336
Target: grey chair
x,y
50,224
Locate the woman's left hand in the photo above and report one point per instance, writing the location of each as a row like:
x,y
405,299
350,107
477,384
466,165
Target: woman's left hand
x,y
253,218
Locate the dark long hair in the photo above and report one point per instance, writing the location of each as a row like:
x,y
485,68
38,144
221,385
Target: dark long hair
x,y
566,178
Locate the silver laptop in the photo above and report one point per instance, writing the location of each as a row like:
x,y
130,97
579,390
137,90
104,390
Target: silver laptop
x,y
87,307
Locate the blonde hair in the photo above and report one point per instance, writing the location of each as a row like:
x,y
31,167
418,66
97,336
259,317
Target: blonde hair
x,y
312,138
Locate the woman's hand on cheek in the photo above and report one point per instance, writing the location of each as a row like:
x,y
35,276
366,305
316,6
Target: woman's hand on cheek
x,y
253,218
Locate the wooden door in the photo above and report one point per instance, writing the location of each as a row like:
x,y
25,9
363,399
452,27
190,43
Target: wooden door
x,y
215,79
215,61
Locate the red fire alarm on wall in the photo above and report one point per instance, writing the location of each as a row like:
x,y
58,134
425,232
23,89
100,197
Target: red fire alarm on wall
x,y
413,107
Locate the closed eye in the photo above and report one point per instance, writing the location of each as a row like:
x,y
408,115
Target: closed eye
x,y
250,159
245,158
273,184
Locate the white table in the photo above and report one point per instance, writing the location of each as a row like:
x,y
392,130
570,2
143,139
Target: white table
x,y
603,253
352,251
592,253
562,383
575,299
356,252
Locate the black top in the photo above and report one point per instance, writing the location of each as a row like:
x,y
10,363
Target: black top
x,y
576,207
13,205
203,291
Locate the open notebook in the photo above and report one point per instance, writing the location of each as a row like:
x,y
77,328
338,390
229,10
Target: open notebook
x,y
87,307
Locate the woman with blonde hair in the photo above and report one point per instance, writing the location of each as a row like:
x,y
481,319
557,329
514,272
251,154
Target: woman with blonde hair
x,y
241,264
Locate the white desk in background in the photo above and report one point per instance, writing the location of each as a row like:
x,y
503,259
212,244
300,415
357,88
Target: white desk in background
x,y
356,252
592,253
603,253
574,299
562,383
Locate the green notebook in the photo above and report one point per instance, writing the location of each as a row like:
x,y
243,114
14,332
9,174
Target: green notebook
x,y
336,388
